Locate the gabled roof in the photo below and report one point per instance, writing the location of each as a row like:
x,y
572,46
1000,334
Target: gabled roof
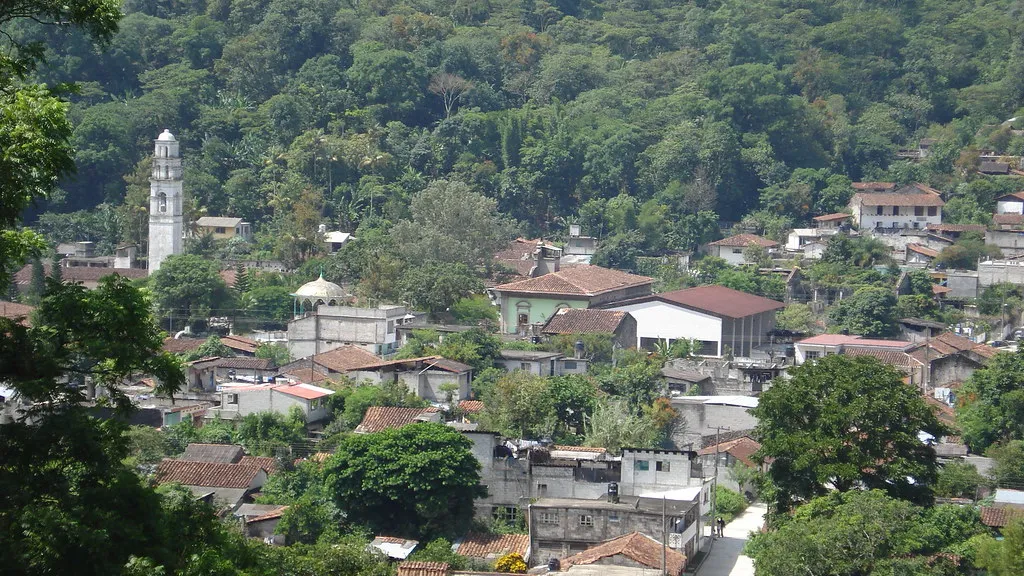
x,y
471,406
692,376
240,343
345,358
832,217
304,391
220,453
422,569
379,418
843,339
17,312
714,299
218,222
394,548
742,449
585,280
1012,197
638,547
987,167
584,321
1000,516
236,363
206,474
897,199
493,546
519,255
1008,219
425,362
268,463
894,358
956,227
182,345
923,250
874,185
272,515
744,240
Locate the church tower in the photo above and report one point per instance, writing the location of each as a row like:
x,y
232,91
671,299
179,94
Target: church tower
x,y
166,226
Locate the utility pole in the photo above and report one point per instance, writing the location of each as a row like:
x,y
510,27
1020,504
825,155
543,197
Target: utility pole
x,y
664,538
714,480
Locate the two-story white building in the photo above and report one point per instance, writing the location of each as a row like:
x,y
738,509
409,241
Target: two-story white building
x,y
913,206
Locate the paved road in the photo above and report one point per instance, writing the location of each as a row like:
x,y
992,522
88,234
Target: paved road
x,y
726,558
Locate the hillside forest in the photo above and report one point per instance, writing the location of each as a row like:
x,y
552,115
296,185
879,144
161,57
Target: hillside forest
x,y
648,122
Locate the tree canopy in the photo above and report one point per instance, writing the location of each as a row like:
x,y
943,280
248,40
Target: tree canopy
x,y
845,423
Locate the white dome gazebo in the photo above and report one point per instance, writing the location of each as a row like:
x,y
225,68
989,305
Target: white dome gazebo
x,y
317,293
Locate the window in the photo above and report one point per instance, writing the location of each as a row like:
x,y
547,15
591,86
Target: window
x,y
586,519
550,518
812,355
506,513
220,230
314,403
232,398
932,210
524,319
643,465
660,466
542,489
391,326
162,202
918,210
879,210
525,366
613,516
917,225
570,364
737,250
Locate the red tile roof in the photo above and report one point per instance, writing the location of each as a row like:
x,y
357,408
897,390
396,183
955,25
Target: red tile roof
x,y
744,240
1008,219
438,362
268,463
206,474
895,358
379,418
956,227
268,516
742,449
716,300
840,339
493,546
471,406
345,358
577,281
584,321
182,345
831,217
237,363
938,290
999,517
304,391
219,453
638,547
922,250
240,343
564,448
945,412
409,568
16,312
898,200
1012,196
874,186
519,255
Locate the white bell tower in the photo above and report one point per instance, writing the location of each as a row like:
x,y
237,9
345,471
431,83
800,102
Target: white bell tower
x,y
166,224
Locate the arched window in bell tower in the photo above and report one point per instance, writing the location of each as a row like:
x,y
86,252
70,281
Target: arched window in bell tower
x,y
162,202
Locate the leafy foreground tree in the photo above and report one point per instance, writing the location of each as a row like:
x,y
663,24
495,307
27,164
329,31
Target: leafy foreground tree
x,y
845,423
865,532
418,480
992,403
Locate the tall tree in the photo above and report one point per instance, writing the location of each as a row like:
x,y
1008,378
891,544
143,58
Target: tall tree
x,y
417,480
991,407
842,423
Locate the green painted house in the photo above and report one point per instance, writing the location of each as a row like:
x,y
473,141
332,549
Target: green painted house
x,y
533,301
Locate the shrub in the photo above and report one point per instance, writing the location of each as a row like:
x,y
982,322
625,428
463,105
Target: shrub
x,y
511,563
728,503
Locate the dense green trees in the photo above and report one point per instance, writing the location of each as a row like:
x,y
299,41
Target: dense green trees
x,y
845,422
419,479
992,401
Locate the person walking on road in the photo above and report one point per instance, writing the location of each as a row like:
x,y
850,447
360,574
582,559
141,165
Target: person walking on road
x,y
721,526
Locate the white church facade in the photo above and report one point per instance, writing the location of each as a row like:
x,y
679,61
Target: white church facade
x,y
166,220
